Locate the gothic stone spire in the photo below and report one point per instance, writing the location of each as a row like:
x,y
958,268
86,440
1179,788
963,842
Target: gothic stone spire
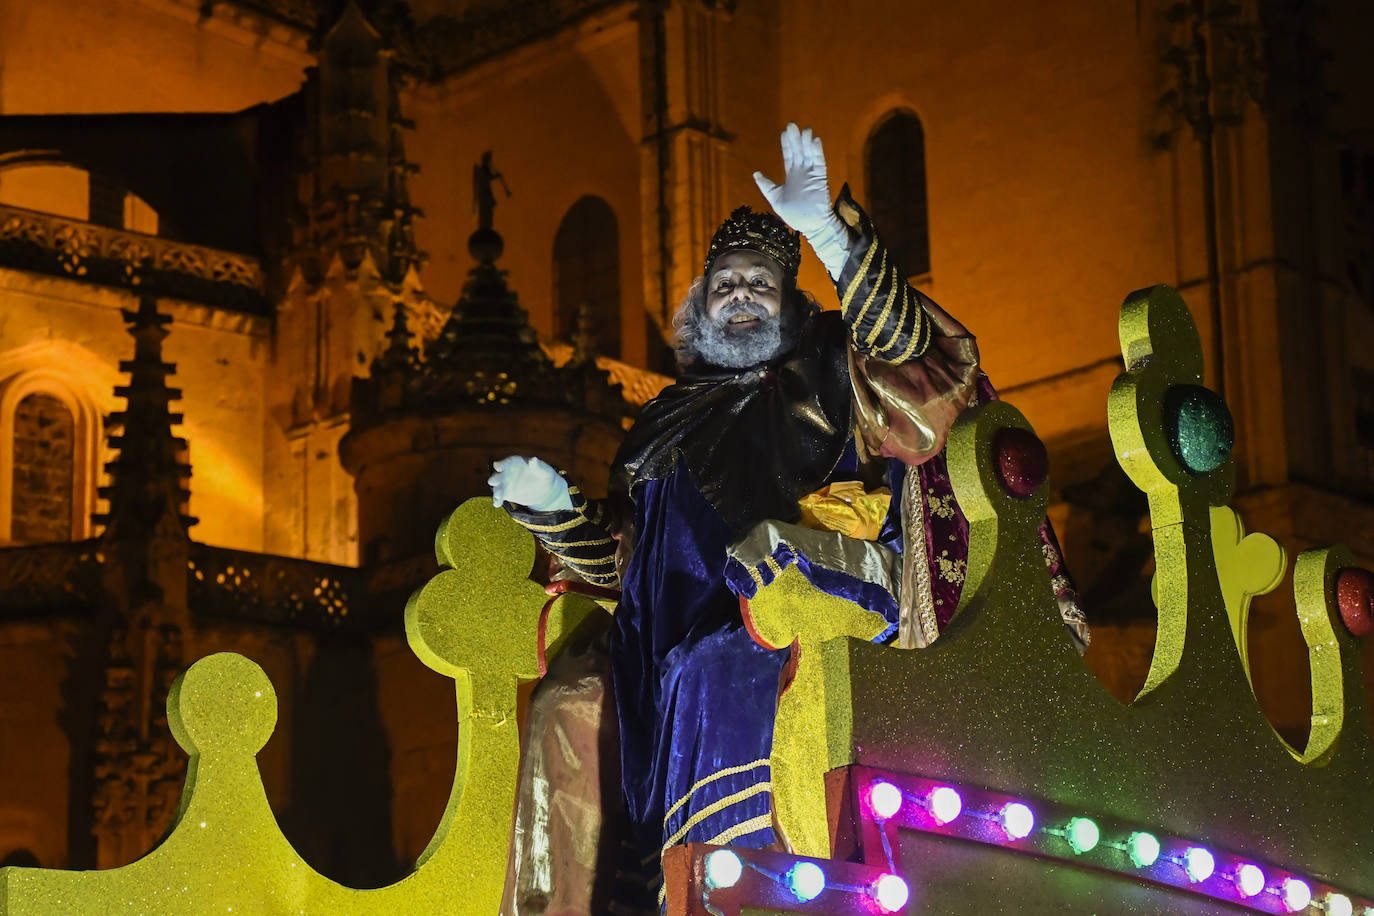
x,y
148,480
356,197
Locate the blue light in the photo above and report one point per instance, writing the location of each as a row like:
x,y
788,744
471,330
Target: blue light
x,y
1249,880
1199,864
806,881
723,868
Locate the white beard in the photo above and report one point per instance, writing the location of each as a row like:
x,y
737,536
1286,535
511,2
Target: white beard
x,y
739,348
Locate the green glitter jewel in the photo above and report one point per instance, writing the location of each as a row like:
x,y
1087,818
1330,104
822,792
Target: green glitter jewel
x,y
1200,429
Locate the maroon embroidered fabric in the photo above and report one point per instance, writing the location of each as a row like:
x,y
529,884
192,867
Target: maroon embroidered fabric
x,y
947,542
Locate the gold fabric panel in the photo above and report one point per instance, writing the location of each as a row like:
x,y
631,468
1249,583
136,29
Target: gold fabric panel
x,y
905,411
568,811
845,506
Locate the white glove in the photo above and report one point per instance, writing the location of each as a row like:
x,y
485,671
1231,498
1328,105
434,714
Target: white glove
x,y
803,202
528,482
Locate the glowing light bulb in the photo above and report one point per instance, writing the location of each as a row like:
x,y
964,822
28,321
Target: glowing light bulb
x,y
1339,905
806,881
884,799
1082,834
945,804
723,868
1199,864
1143,849
1249,880
1017,820
890,892
1295,893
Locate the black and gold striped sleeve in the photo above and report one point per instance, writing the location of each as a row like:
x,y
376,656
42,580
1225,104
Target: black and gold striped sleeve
x,y
580,537
886,317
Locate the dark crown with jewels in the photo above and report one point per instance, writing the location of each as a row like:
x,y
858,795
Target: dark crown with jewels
x,y
746,230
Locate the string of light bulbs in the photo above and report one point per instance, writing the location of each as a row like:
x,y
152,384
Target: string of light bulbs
x,y
805,881
888,801
1131,851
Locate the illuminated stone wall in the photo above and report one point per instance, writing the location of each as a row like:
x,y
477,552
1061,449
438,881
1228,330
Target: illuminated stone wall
x,y
70,56
67,338
323,337
564,123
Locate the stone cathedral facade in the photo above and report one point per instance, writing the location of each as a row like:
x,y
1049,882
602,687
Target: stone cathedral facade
x,y
259,329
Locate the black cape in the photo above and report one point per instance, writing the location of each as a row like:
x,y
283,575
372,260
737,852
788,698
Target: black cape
x,y
755,440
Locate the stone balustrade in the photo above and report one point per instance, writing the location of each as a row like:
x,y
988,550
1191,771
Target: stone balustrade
x,y
78,250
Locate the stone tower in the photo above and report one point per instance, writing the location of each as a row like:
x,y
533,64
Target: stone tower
x,y
425,427
353,257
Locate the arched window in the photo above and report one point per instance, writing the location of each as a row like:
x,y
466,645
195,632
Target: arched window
x,y
896,161
44,470
586,270
50,440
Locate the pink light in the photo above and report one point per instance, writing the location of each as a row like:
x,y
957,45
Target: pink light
x,y
1249,880
890,892
884,799
945,804
1296,894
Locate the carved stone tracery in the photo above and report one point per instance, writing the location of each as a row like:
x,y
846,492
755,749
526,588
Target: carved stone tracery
x,y
50,578
137,768
239,585
79,250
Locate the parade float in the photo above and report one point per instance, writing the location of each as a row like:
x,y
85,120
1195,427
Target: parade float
x,y
989,772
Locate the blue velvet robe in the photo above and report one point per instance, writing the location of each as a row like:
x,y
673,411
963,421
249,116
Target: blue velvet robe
x,y
695,694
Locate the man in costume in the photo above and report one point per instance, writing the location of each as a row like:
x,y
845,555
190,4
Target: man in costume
x,y
783,414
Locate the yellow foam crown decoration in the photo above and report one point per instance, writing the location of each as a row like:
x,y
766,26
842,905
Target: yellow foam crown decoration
x,y
1000,700
475,622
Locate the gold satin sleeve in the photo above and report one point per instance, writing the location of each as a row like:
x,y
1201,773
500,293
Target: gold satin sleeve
x,y
912,366
905,411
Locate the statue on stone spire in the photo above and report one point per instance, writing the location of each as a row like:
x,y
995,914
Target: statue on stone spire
x,y
483,199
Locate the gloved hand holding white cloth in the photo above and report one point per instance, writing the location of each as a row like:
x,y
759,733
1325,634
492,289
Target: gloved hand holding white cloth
x,y
528,482
803,200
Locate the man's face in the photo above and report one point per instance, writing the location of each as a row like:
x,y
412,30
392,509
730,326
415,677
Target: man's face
x,y
743,289
742,325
